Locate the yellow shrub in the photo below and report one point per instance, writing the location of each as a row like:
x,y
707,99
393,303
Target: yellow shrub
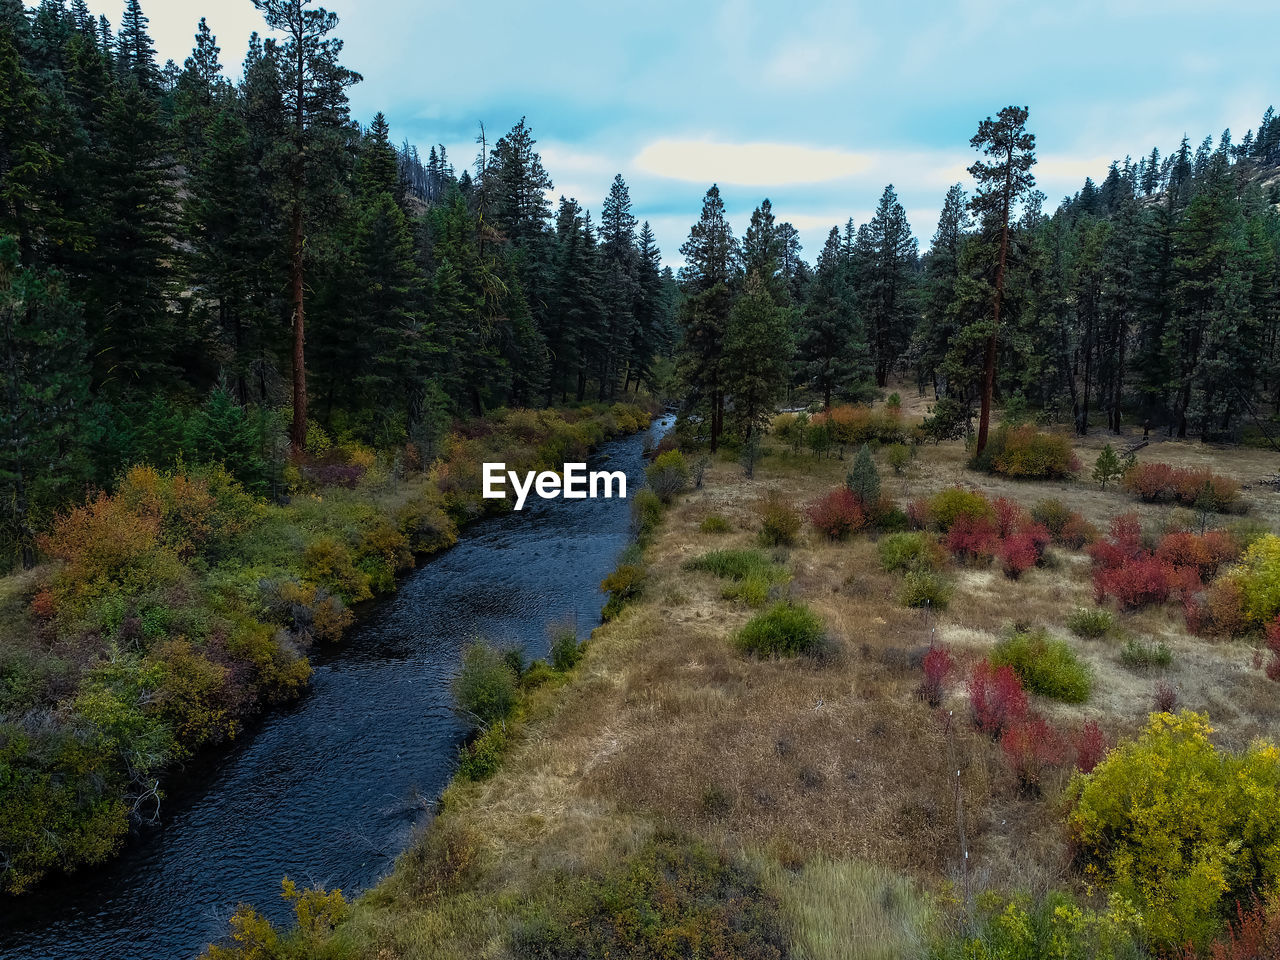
x,y
329,563
1179,828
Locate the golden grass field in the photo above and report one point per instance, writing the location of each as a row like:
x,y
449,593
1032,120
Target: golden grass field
x,y
830,775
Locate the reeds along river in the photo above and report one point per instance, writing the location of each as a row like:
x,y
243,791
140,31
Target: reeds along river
x,y
330,789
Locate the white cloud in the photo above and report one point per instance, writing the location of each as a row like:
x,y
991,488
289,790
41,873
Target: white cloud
x,y
748,164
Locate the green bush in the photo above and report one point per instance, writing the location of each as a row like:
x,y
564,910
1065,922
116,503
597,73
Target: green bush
x,y
668,475
480,759
1091,622
646,513
948,505
779,520
565,650
1141,655
1258,575
784,630
1179,828
715,524
1055,927
485,689
923,588
623,585
1053,513
910,551
675,898
899,457
1045,665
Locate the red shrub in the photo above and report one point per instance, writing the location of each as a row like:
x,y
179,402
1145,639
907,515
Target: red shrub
x,y
1124,544
1091,746
1030,746
1150,481
1039,536
1204,552
1164,699
1137,583
972,538
918,513
1017,554
1218,610
1190,487
996,698
837,514
938,665
1254,934
1009,516
42,605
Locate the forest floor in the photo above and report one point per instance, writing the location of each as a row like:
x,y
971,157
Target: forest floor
x,y
829,776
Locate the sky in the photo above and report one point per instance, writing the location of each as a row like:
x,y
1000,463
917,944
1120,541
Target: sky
x,y
816,105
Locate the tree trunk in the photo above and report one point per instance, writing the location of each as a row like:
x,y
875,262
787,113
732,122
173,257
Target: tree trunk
x,y
989,361
299,432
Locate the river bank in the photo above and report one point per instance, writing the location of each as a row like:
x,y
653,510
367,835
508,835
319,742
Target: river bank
x,y
178,608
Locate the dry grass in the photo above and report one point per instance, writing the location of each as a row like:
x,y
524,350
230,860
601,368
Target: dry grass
x,y
830,774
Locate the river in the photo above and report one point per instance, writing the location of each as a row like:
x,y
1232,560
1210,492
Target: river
x,y
330,789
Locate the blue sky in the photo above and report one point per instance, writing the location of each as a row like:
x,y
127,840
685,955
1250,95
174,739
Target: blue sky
x,y
815,104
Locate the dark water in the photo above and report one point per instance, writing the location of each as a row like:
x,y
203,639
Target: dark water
x,y
329,790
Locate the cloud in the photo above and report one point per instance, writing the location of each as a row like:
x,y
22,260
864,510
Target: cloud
x,y
748,164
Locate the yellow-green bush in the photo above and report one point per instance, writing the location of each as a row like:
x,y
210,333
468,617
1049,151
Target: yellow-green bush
x,y
946,506
1258,577
1180,828
1055,928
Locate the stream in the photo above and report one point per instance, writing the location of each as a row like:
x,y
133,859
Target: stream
x,y
330,789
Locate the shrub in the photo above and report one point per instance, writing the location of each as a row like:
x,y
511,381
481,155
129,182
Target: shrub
x,y
779,521
784,630
1199,488
668,475
1140,655
1017,554
938,665
1092,622
646,512
565,651
1030,746
623,585
1205,553
485,688
674,898
1077,533
1273,643
1254,933
328,562
1164,699
1045,665
1180,829
996,698
715,524
863,480
918,514
1136,583
971,539
837,514
751,572
1055,927
1026,453
923,588
1091,746
899,457
1053,513
948,505
1258,575
910,551
480,759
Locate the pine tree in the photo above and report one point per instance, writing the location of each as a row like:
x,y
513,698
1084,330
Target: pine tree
x,y
43,394
314,99
1107,468
884,261
833,352
137,53
863,479
1001,183
621,287
711,265
757,359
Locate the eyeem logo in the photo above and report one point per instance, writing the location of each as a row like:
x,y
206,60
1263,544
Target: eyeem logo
x,y
576,483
